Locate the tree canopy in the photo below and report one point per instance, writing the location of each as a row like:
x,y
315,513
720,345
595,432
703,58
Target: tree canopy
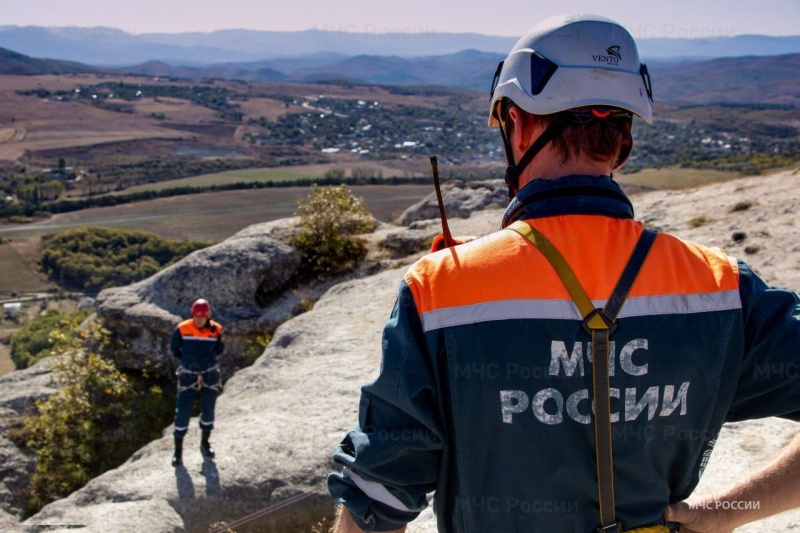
x,y
91,258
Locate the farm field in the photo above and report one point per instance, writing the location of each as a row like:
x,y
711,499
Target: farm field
x,y
32,124
285,173
214,216
17,273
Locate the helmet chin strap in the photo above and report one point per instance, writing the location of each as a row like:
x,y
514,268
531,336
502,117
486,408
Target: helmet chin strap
x,y
513,171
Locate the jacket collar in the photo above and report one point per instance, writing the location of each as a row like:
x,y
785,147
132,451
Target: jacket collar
x,y
570,195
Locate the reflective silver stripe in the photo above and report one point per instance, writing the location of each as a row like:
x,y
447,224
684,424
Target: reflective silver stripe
x,y
181,429
673,304
681,304
500,310
376,491
190,338
203,423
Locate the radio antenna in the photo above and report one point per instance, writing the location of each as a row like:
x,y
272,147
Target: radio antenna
x,y
448,239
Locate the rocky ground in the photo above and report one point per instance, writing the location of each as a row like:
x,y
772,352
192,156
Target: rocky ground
x,y
279,419
19,391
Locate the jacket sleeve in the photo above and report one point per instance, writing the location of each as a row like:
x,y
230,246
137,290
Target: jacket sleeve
x,y
219,347
769,384
176,344
391,458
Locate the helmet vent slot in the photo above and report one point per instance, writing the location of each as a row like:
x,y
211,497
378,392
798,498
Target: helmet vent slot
x,y
542,69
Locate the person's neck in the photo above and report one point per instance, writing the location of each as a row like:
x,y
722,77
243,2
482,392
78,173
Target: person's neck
x,y
549,165
550,170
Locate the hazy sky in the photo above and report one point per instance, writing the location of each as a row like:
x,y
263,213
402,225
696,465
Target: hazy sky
x,y
644,18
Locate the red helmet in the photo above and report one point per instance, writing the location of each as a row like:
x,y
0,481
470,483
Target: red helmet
x,y
201,308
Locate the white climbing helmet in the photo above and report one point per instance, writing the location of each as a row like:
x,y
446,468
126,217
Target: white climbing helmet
x,y
571,61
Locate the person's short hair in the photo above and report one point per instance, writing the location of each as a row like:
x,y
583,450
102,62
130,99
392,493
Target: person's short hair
x,y
599,140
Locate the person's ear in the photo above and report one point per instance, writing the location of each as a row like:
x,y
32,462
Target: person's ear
x,y
624,153
518,136
526,129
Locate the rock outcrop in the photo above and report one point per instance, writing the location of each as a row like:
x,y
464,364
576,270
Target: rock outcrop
x,y
276,424
244,278
460,199
19,391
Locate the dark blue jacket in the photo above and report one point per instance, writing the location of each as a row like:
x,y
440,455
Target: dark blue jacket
x,y
197,348
484,390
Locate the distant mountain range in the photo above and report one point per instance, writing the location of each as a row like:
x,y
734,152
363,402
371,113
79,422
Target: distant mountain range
x,y
751,79
469,68
17,64
113,47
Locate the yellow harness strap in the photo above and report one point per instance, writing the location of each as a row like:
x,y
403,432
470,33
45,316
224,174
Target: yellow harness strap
x,y
600,324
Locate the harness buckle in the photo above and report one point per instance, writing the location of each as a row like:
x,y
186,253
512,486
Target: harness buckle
x,y
611,528
590,323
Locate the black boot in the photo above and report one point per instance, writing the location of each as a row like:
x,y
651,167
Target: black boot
x,y
205,446
177,458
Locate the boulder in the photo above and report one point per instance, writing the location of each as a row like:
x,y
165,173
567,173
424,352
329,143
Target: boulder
x,y
19,391
280,229
16,468
461,199
404,242
86,303
244,278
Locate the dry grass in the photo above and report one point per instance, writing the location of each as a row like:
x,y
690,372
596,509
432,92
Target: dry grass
x,y
675,177
9,135
50,124
174,109
267,107
29,123
18,265
6,364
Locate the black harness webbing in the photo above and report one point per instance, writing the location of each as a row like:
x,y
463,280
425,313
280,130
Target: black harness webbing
x,y
600,324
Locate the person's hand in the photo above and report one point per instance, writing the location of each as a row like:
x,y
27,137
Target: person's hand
x,y
696,517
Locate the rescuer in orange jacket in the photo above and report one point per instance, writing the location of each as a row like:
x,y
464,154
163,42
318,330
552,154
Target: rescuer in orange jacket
x,y
488,392
197,343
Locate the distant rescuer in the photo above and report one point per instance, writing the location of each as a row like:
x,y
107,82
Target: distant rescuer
x,y
571,372
197,343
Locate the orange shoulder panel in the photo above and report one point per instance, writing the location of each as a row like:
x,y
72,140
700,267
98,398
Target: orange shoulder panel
x,y
505,266
187,327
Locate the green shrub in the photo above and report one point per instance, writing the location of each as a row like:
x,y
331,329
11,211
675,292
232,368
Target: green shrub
x,y
255,347
329,217
99,417
33,342
95,258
